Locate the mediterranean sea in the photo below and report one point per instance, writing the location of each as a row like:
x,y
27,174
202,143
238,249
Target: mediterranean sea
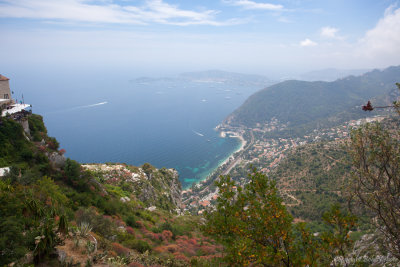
x,y
167,122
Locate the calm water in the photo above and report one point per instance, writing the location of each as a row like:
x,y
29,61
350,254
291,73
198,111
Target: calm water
x,y
166,123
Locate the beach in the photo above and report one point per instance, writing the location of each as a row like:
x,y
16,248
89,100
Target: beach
x,y
230,157
242,145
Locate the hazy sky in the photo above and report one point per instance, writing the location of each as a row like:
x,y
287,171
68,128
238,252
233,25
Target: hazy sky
x,y
152,37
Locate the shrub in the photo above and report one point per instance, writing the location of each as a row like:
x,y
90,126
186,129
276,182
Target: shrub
x,y
36,127
12,244
101,224
131,221
53,143
167,235
120,249
181,257
172,248
130,230
141,246
148,168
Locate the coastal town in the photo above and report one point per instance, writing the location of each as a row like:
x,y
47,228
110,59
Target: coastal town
x,y
260,151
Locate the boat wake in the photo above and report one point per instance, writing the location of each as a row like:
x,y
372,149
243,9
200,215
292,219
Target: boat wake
x,y
199,134
78,107
93,105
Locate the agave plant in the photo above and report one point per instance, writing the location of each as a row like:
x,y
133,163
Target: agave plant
x,y
84,229
117,261
63,225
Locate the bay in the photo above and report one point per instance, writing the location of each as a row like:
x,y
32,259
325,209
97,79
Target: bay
x,y
168,122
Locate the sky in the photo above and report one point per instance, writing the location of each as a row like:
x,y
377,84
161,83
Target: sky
x,y
275,38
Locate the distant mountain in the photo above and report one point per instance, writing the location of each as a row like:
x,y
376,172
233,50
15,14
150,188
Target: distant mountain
x,y
301,103
214,76
331,74
223,76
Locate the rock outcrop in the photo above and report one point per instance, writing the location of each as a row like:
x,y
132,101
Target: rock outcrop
x,y
162,186
152,187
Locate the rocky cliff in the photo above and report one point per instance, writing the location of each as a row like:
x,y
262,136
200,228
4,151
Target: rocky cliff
x,y
151,186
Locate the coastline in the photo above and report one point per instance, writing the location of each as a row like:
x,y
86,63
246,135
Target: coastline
x,y
230,157
242,145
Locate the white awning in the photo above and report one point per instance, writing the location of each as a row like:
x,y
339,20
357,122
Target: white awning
x,y
15,109
2,100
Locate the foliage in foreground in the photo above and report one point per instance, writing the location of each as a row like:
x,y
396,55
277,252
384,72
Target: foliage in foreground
x,y
375,183
256,228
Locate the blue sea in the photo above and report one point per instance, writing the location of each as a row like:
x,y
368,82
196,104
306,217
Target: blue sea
x,y
168,122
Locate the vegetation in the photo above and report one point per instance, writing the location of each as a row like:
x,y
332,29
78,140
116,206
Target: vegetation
x,y
125,215
256,228
306,106
311,178
376,177
81,213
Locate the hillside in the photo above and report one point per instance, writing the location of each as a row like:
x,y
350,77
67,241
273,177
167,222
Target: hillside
x,y
312,177
57,212
314,103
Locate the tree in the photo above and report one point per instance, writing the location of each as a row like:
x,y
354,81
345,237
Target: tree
x,y
148,168
255,227
336,240
376,178
375,150
12,242
75,176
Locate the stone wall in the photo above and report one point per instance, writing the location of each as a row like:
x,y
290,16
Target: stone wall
x,y
25,124
5,89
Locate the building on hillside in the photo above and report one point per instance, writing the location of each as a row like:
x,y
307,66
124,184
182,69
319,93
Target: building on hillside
x,y
7,104
5,92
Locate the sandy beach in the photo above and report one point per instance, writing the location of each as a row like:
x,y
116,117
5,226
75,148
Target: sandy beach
x,y
242,146
232,135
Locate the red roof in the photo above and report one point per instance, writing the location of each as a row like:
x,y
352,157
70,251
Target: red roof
x,y
205,203
3,78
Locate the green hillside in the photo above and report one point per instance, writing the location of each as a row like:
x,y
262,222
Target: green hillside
x,y
301,103
311,178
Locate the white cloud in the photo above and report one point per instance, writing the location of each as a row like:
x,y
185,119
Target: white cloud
x,y
153,11
382,43
308,42
329,32
247,4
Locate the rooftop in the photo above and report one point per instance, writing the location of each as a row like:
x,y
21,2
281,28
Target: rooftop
x,y
3,78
